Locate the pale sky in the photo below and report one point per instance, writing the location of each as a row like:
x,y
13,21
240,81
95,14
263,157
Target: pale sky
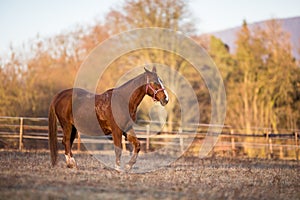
x,y
22,20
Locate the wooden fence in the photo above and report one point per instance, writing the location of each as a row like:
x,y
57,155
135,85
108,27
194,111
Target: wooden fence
x,y
262,143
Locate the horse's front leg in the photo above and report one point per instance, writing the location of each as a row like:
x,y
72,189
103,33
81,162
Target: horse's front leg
x,y
131,137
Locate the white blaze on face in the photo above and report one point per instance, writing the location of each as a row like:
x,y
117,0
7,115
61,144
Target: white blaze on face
x,y
165,91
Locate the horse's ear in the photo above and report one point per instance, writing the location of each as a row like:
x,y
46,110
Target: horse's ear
x,y
146,70
154,69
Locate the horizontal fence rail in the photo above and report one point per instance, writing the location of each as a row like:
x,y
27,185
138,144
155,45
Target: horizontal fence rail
x,y
262,142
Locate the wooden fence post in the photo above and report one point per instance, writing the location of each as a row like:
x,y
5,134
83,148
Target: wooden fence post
x,y
267,142
21,134
78,141
270,146
232,143
280,152
180,139
297,148
148,137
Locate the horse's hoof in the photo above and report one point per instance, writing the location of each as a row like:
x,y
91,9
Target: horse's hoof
x,y
70,166
71,163
118,168
128,167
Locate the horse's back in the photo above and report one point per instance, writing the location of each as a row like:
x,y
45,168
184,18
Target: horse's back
x,y
66,96
76,106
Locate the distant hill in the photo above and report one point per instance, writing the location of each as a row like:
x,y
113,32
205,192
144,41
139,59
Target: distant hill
x,y
291,25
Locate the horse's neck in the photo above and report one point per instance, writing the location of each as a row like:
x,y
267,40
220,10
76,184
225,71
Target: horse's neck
x,y
136,88
136,97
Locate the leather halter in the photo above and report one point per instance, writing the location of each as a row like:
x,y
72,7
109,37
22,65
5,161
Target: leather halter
x,y
153,90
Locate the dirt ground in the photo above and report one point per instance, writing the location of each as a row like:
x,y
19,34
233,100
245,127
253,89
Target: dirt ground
x,y
28,175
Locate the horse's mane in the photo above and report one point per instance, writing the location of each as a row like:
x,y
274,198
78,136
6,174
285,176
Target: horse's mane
x,y
130,81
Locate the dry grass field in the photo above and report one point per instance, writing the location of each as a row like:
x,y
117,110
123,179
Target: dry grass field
x,y
29,175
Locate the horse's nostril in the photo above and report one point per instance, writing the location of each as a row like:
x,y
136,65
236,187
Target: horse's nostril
x,y
164,102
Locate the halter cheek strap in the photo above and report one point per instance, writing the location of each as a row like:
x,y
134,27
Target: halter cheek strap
x,y
153,90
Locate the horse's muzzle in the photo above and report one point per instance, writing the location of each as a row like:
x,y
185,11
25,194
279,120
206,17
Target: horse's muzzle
x,y
164,102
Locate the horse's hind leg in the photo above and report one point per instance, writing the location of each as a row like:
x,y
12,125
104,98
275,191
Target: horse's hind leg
x,y
68,141
117,138
131,137
73,136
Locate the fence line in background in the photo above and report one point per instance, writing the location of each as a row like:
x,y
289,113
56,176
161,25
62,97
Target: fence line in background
x,y
228,132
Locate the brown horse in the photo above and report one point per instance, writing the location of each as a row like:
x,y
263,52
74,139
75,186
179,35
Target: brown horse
x,y
115,111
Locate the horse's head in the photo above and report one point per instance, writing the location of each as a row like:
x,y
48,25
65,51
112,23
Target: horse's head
x,y
155,87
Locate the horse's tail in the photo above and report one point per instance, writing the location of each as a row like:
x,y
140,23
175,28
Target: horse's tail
x,y
52,124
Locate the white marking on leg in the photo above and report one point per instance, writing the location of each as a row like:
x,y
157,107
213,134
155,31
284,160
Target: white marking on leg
x,y
67,158
70,161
